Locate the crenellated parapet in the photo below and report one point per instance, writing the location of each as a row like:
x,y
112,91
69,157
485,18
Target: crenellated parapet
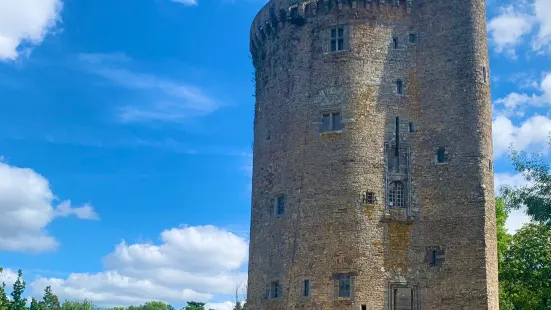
x,y
279,13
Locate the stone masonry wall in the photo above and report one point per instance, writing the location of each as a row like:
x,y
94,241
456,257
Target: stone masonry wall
x,y
326,227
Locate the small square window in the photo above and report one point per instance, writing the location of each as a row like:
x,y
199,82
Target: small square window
x,y
412,38
369,198
337,39
306,291
399,87
331,122
280,205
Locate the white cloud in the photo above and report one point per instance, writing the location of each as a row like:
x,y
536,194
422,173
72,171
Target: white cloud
x,y
516,218
191,263
25,21
26,207
165,100
8,276
542,40
532,132
220,306
186,2
527,19
507,29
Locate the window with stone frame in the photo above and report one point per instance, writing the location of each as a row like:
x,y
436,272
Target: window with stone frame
x,y
396,195
344,286
331,121
337,40
275,290
403,297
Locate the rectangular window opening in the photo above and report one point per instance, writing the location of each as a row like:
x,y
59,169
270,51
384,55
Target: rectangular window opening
x,y
403,298
331,122
395,43
274,289
337,39
412,38
280,205
364,307
344,286
399,87
306,288
432,258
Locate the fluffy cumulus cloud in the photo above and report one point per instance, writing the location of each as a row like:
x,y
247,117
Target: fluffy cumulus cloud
x,y
190,263
25,22
524,21
534,132
26,205
507,29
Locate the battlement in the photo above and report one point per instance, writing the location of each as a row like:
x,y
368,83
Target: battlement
x,y
279,12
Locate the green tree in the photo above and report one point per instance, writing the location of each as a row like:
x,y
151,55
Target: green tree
x,y
193,305
536,196
525,275
4,301
37,305
50,300
503,237
18,302
78,305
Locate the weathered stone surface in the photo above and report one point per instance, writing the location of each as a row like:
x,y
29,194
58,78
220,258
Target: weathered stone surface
x,y
327,228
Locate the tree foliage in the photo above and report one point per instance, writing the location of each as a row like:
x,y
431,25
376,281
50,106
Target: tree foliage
x,y
536,196
503,237
525,274
4,302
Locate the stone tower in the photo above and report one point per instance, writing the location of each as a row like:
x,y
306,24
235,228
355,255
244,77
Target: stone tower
x,y
372,178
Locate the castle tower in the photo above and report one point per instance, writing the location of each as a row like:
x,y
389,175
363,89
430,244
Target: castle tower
x,y
372,174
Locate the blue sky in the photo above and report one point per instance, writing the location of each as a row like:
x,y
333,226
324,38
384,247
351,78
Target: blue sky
x,y
126,135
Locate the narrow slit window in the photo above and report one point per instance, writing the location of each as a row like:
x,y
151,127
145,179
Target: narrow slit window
x,y
441,155
432,258
395,43
280,205
399,87
306,288
411,127
337,39
484,74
